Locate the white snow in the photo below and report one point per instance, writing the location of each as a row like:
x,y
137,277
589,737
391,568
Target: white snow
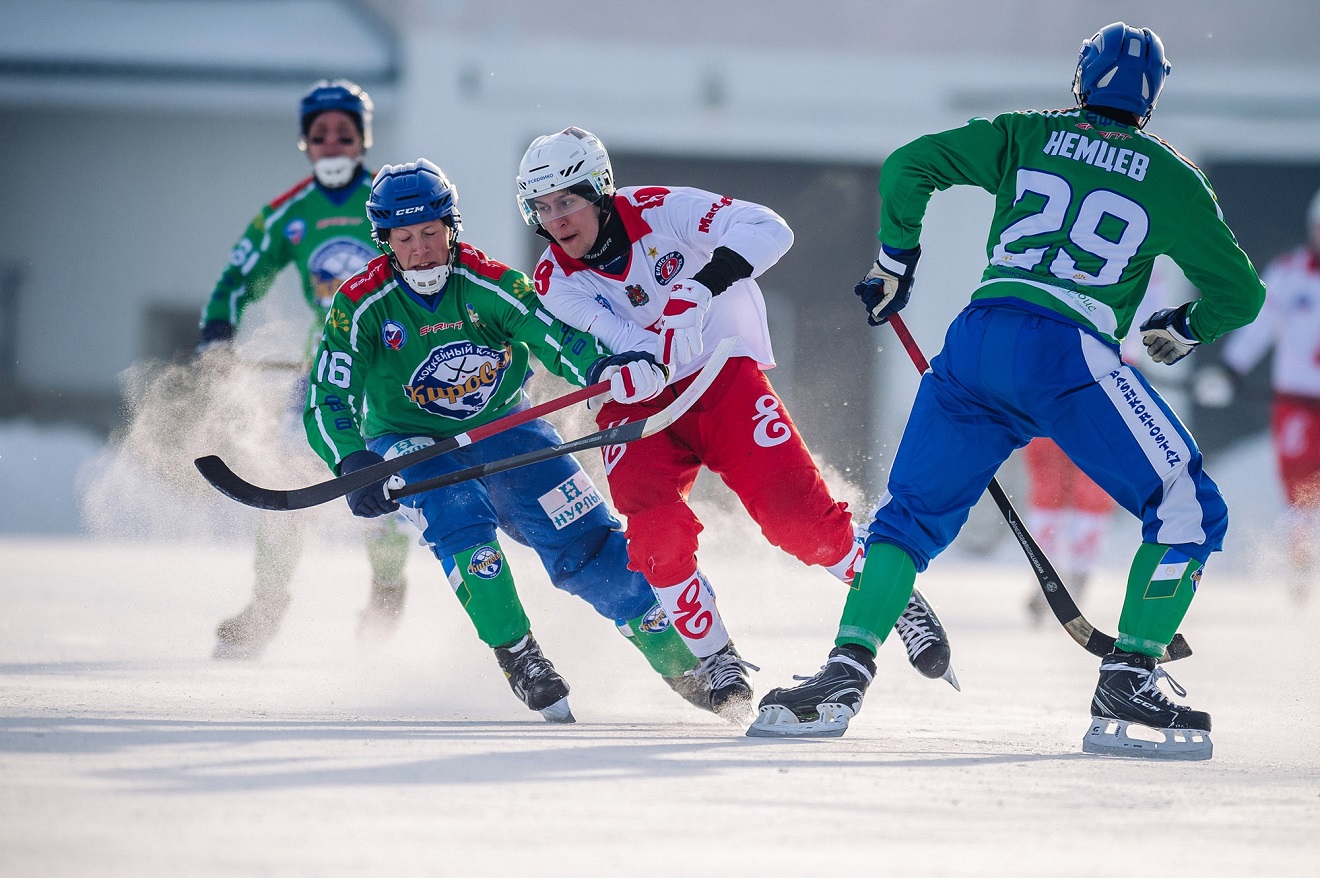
x,y
125,750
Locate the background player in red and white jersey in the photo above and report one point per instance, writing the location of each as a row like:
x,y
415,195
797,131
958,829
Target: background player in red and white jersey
x,y
670,270
1290,324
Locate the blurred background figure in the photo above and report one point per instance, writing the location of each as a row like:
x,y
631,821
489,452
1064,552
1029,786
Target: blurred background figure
x,y
1290,324
1067,513
320,227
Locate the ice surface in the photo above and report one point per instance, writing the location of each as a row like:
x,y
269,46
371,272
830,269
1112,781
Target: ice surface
x,y
124,750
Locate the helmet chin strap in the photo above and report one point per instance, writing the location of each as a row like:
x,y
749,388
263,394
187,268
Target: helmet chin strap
x,y
335,172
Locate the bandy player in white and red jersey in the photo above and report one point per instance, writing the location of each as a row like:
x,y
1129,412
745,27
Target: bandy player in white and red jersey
x,y
669,270
1290,324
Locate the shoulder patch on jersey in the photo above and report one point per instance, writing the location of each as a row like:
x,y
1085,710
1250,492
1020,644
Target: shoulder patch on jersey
x,y
630,208
295,191
647,197
472,258
367,281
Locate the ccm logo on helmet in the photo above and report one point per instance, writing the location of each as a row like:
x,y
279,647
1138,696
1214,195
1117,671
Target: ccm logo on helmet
x,y
407,210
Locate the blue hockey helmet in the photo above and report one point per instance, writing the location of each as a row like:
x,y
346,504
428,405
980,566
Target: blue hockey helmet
x,y
1122,67
418,192
337,94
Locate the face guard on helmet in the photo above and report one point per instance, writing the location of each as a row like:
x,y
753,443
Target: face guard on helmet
x,y
339,94
412,194
574,160
346,97
1122,67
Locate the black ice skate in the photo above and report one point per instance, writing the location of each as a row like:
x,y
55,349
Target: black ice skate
x,y
534,680
725,673
822,706
926,643
246,636
380,618
1128,693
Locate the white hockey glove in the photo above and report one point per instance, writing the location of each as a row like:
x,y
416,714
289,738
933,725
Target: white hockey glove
x,y
1167,336
634,376
888,285
680,326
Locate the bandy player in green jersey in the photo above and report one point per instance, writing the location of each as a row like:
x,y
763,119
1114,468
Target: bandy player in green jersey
x,y
1084,202
433,339
319,227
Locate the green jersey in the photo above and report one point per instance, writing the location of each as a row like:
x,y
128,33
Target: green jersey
x,y
391,361
324,233
1083,205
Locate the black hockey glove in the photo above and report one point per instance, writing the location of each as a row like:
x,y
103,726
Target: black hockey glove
x,y
370,501
1167,336
888,285
215,334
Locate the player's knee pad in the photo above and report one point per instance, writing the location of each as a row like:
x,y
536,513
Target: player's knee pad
x,y
662,542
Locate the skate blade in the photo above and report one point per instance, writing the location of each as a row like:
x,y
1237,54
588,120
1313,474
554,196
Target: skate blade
x,y
1112,737
952,678
558,712
777,721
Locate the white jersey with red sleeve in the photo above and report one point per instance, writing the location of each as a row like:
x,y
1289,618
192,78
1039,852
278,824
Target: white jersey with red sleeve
x,y
1290,321
673,232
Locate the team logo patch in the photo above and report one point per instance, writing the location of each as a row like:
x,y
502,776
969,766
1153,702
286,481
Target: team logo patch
x,y
294,231
571,499
334,262
636,295
458,379
655,621
339,320
393,334
473,316
408,446
668,267
486,563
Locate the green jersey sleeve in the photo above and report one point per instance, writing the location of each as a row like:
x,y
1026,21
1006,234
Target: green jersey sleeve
x,y
1205,248
1084,204
337,390
975,154
254,263
509,311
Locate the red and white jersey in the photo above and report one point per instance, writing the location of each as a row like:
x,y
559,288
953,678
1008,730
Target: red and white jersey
x,y
673,234
1290,321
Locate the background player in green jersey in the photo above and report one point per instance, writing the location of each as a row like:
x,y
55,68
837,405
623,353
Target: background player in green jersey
x,y
320,227
433,339
1084,202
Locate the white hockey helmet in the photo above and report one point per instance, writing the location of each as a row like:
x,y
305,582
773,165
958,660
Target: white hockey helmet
x,y
570,159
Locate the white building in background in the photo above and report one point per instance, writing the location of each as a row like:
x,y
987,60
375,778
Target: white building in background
x,y
138,137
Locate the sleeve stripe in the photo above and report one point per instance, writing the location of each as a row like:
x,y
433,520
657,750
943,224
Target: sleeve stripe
x,y
362,309
325,436
544,317
494,288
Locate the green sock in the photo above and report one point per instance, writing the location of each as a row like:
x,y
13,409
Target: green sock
x,y
659,642
877,597
483,582
387,550
1160,587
